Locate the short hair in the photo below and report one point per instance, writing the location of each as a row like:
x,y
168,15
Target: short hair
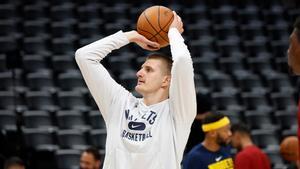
x,y
212,117
168,60
297,27
241,128
94,151
13,161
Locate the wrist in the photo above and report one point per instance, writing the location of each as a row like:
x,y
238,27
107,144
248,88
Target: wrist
x,y
130,35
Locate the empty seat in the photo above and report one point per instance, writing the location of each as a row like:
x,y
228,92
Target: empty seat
x,y
265,137
88,12
72,138
40,100
34,62
41,80
63,63
204,44
37,119
202,64
3,65
278,81
36,45
39,138
7,43
219,81
7,27
7,119
68,119
258,120
62,12
283,101
11,79
232,43
67,159
90,29
255,100
36,27
63,28
286,119
230,64
71,80
260,63
63,45
224,100
72,100
10,100
96,120
98,137
35,11
247,80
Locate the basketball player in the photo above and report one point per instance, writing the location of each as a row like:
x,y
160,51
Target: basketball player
x,y
151,132
294,61
213,152
249,155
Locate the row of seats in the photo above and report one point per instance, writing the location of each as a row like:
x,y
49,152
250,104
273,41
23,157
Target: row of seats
x,y
62,119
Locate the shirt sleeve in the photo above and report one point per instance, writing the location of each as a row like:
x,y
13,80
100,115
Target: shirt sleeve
x,y
182,87
101,85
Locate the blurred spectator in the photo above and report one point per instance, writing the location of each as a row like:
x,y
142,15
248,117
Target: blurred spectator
x,y
14,163
213,152
90,159
249,155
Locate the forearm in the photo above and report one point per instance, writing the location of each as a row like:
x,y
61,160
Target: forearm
x,y
96,51
182,89
97,78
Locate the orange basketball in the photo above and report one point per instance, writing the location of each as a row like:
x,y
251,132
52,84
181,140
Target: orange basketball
x,y
154,24
289,148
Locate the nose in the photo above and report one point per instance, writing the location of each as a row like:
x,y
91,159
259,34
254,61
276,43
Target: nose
x,y
139,73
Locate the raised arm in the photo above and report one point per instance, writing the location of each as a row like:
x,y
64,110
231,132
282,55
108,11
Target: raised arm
x,y
182,88
102,87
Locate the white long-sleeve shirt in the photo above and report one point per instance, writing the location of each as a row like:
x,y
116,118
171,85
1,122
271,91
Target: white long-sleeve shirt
x,y
141,136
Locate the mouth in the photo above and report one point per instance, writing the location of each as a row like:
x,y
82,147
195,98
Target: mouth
x,y
140,82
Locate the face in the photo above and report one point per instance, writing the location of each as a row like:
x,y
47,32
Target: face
x,y
87,161
294,53
16,167
223,135
152,77
235,140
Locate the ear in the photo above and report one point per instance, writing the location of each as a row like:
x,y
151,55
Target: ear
x,y
166,81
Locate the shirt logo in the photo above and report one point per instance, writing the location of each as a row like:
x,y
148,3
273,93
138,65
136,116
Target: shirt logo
x,y
218,158
136,125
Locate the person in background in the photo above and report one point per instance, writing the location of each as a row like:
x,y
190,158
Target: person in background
x,y
294,61
90,159
14,163
213,152
249,156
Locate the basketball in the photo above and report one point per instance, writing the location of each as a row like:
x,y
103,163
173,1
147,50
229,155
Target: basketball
x,y
289,148
154,23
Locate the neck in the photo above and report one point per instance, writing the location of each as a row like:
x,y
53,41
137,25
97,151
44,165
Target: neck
x,y
153,98
246,142
211,144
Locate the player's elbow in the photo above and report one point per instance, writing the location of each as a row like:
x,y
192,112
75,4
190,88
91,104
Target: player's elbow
x,y
79,54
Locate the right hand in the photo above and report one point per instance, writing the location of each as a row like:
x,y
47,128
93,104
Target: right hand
x,y
177,23
134,36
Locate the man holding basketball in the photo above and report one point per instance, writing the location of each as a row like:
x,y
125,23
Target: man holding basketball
x,y
294,61
151,132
